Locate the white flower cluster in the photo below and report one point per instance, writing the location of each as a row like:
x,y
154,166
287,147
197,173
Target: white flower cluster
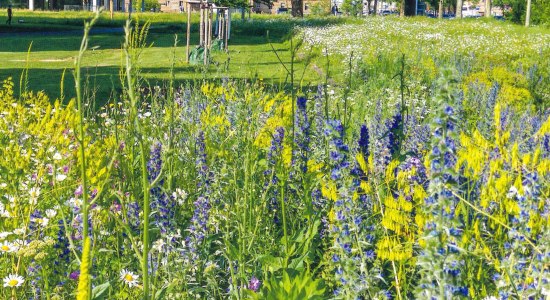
x,y
434,37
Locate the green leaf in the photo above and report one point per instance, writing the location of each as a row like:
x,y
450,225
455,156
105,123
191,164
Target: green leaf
x,y
100,291
159,295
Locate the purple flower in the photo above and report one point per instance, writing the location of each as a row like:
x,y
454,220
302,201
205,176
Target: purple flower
x,y
394,134
74,275
364,141
62,245
254,284
78,191
301,136
271,180
163,204
202,167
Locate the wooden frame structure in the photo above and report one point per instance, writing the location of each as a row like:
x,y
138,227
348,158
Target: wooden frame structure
x,y
223,25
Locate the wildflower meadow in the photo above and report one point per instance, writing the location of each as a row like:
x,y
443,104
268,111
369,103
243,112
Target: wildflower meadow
x,y
415,166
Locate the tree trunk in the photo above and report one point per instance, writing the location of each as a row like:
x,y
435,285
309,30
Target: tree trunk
x,y
375,7
410,8
528,13
368,7
297,8
458,12
488,8
440,12
402,9
130,10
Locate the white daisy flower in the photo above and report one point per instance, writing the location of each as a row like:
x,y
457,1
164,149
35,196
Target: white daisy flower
x,y
3,212
129,278
19,231
7,247
13,280
158,245
180,196
51,213
34,193
60,177
43,221
512,192
5,234
57,156
75,203
20,243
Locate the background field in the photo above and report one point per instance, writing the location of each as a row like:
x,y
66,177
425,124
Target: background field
x,y
56,37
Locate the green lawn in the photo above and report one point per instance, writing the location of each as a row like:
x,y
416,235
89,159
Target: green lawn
x,y
54,38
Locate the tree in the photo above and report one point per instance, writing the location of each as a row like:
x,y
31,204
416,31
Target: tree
x,y
539,13
298,8
237,3
488,8
352,7
528,13
369,7
408,8
458,12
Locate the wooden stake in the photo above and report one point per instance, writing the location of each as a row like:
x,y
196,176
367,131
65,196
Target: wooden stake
x,y
201,29
210,13
188,7
528,13
226,29
219,24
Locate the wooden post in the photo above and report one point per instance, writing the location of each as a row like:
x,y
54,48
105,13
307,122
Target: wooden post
x,y
226,29
188,7
210,13
208,33
219,19
111,8
228,25
528,14
201,25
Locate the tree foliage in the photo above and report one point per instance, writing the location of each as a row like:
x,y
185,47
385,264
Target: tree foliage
x,y
540,11
234,3
352,7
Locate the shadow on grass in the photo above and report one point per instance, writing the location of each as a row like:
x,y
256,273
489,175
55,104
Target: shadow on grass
x,y
103,82
66,37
